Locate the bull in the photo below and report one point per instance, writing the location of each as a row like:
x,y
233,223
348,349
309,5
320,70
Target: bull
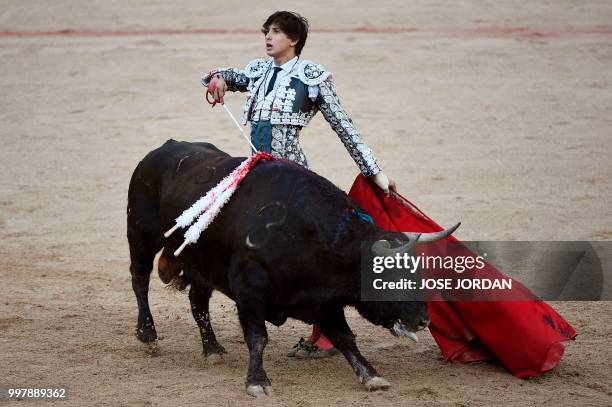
x,y
287,245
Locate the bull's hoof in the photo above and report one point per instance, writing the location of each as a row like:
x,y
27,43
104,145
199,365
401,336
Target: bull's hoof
x,y
146,334
257,390
377,383
151,348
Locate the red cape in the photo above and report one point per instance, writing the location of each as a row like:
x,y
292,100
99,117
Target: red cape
x,y
526,336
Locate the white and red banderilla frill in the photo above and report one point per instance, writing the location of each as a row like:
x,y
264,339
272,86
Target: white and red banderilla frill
x,y
209,206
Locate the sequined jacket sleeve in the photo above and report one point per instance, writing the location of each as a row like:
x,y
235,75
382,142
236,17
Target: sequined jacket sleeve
x,y
328,103
235,79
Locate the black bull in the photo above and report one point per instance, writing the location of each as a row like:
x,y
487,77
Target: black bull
x,y
287,245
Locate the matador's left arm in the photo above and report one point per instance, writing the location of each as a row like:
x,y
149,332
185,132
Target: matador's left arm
x,y
328,103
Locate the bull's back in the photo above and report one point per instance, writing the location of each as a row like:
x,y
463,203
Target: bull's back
x,y
155,173
168,159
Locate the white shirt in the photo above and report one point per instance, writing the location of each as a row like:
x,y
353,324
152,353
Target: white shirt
x,y
285,68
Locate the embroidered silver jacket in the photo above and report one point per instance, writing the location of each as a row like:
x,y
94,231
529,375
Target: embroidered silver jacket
x,y
306,89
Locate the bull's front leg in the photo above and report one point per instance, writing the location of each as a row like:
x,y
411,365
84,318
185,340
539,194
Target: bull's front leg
x,y
199,298
334,326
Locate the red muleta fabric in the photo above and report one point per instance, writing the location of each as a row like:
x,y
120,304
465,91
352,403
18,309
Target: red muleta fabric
x,y
526,336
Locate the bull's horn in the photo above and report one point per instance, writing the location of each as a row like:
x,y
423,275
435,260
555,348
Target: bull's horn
x,y
431,237
383,247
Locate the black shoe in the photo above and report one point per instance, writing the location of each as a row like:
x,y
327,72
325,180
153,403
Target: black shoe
x,y
301,345
314,352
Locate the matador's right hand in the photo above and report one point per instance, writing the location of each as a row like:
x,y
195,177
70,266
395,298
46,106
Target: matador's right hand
x,y
217,88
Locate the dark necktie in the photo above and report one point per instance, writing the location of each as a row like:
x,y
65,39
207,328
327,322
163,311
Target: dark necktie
x,y
273,79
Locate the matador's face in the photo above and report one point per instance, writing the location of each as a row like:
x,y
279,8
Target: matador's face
x,y
278,44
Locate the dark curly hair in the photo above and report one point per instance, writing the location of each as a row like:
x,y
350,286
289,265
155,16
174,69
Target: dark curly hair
x,y
292,24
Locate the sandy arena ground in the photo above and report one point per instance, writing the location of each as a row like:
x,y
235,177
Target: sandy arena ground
x,y
508,131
